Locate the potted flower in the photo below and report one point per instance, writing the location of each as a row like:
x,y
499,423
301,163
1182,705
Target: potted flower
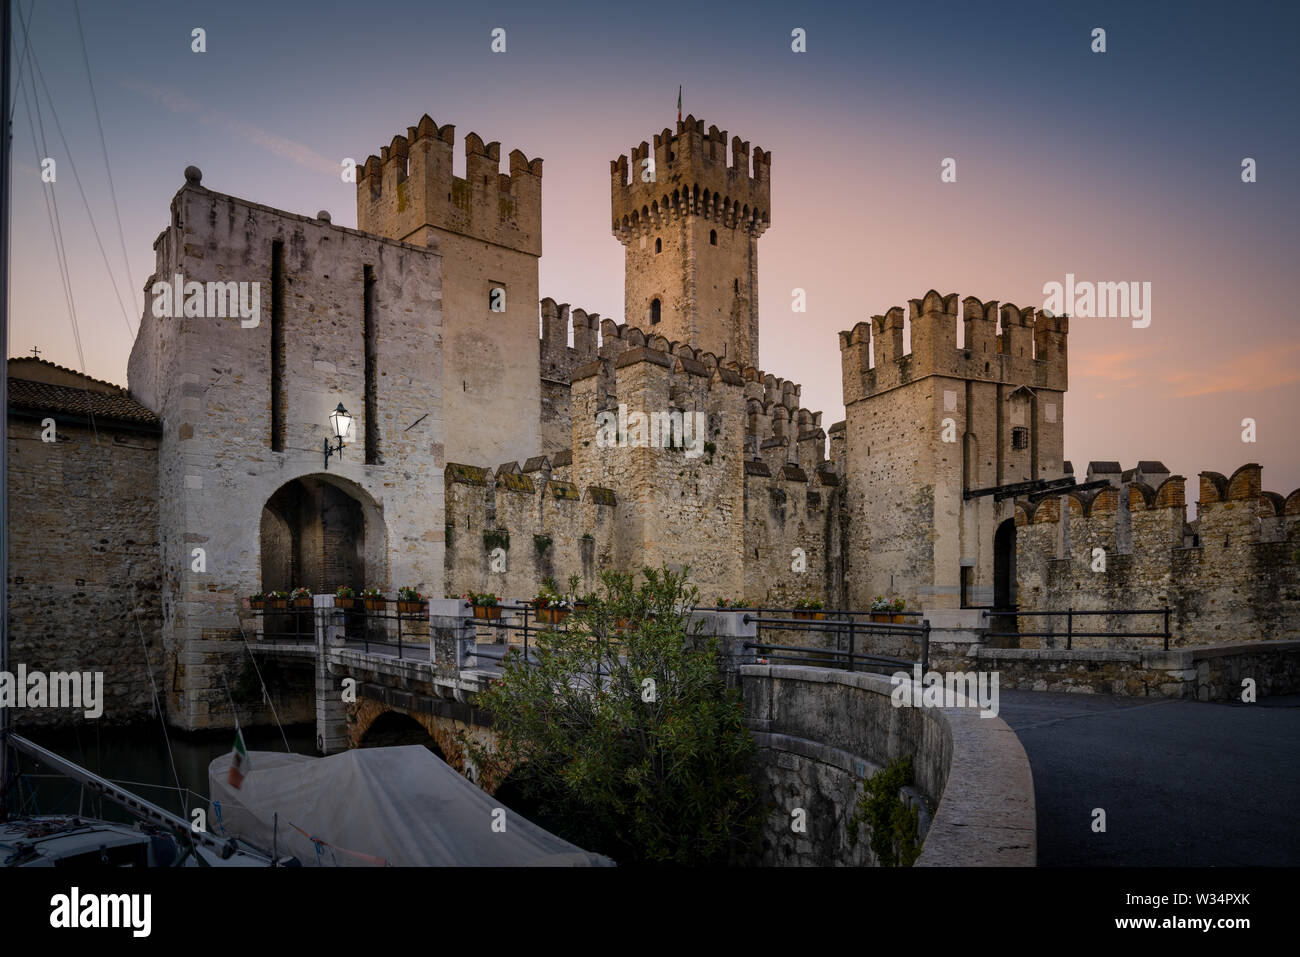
x,y
410,601
808,608
301,597
373,599
897,606
278,599
881,608
486,605
732,603
552,607
344,597
257,602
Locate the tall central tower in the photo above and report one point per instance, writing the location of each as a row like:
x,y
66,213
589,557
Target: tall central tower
x,y
689,219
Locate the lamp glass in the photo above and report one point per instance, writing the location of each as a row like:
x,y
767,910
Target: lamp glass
x,y
341,422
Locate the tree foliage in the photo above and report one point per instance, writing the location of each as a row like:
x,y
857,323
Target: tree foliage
x,y
623,734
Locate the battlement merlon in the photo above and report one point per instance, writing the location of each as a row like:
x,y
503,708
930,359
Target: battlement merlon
x,y
692,176
1031,349
409,190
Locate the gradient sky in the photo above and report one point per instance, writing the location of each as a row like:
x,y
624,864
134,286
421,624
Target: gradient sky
x,y
1115,167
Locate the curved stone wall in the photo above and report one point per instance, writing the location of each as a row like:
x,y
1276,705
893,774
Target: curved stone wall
x,y
821,731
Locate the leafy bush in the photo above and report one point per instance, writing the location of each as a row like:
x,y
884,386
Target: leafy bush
x,y
629,740
894,825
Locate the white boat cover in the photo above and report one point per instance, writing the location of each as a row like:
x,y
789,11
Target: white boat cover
x,y
364,807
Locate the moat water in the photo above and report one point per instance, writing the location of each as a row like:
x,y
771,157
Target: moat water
x,y
137,759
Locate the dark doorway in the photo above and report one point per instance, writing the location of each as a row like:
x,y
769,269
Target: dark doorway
x,y
1004,568
313,535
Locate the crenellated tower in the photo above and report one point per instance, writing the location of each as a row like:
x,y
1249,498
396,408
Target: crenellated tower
x,y
927,426
689,217
488,228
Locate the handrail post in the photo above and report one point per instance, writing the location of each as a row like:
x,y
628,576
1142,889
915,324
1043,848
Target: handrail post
x,y
1069,628
925,647
1166,610
852,635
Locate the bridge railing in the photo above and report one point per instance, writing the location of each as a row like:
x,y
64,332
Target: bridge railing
x,y
386,630
1070,633
852,632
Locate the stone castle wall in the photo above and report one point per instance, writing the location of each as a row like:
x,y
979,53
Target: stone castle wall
x,y
209,380
85,586
1228,577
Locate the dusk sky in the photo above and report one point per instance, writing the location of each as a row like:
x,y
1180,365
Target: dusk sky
x,y
1116,167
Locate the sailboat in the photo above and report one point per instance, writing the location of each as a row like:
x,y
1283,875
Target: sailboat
x,y
159,838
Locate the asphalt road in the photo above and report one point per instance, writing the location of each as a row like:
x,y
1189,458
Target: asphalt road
x,y
1182,783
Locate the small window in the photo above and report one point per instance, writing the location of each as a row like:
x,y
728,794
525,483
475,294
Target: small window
x,y
659,246
655,311
735,285
713,237
1020,438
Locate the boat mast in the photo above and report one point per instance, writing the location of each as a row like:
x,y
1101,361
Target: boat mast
x,y
6,136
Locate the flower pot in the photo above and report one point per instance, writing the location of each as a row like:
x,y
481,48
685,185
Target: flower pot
x,y
878,617
410,607
580,606
302,602
256,605
344,602
897,619
375,604
487,612
552,616
809,614
278,602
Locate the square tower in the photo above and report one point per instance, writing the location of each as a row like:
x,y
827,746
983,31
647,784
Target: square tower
x,y
924,427
488,228
689,220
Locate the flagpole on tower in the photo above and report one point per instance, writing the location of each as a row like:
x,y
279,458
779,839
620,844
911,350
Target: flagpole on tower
x,y
679,104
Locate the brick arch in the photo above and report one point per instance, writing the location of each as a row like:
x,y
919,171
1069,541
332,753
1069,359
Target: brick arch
x,y
446,733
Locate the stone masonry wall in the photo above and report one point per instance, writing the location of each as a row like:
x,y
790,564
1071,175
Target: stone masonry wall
x,y
209,380
1239,582
85,577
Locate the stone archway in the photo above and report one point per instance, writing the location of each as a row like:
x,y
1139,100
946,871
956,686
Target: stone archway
x,y
320,531
447,735
392,729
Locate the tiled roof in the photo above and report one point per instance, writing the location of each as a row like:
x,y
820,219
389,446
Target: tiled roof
x,y
44,397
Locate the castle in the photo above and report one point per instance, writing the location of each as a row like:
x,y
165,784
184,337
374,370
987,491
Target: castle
x,y
474,460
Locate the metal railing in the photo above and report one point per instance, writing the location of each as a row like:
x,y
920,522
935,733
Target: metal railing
x,y
1071,613
379,628
518,623
847,630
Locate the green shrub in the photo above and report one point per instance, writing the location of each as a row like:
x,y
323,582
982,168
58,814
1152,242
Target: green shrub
x,y
894,826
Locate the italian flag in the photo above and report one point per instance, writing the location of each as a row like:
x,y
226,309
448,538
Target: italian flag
x,y
239,763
